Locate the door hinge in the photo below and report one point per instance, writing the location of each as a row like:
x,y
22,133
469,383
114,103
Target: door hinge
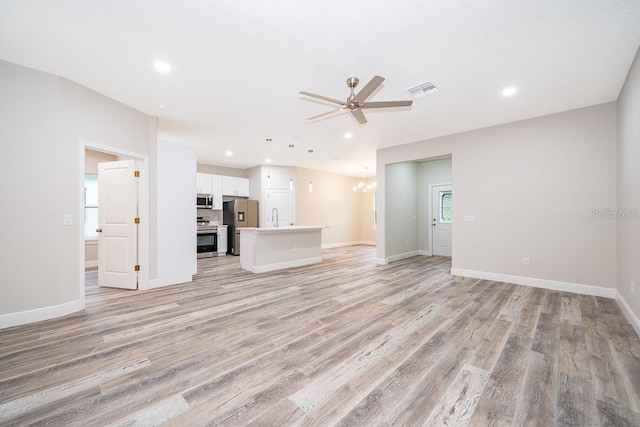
x,y
136,267
136,174
136,220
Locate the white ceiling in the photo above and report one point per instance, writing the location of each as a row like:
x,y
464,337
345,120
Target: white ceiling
x,y
237,67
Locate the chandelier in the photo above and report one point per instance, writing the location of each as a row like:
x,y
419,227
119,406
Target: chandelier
x,y
365,186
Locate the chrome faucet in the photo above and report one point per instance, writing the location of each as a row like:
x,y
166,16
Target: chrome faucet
x,y
274,216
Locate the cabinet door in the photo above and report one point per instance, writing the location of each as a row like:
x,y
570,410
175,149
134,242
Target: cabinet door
x,y
222,240
216,192
204,183
235,186
243,187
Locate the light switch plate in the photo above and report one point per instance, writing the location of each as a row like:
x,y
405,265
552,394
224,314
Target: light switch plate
x,y
68,219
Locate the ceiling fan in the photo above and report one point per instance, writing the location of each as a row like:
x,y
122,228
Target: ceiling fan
x,y
356,101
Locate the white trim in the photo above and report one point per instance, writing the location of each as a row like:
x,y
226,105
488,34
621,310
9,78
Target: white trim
x,y
91,263
282,265
40,314
381,261
425,253
404,255
631,316
555,285
342,244
168,281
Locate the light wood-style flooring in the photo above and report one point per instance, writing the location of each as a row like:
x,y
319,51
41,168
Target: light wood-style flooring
x,y
346,342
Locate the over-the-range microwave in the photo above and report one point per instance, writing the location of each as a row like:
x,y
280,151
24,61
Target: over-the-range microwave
x,y
203,201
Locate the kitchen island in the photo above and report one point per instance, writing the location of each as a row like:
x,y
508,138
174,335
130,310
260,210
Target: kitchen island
x,y
268,249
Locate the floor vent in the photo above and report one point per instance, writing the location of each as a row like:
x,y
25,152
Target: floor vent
x,y
422,90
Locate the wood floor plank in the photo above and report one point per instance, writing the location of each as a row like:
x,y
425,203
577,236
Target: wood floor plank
x,y
576,403
343,342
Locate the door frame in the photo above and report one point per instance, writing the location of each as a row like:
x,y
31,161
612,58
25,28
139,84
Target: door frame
x,y
429,226
143,211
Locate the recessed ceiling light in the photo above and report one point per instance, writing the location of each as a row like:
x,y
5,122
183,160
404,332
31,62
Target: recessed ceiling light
x,y
348,135
162,105
228,153
267,160
291,145
309,151
509,91
162,67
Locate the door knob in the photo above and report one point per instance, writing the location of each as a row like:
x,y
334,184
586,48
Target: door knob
x,y
99,230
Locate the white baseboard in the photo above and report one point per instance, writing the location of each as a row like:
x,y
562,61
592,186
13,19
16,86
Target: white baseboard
x,y
425,253
90,264
398,257
342,244
577,288
631,316
157,283
40,314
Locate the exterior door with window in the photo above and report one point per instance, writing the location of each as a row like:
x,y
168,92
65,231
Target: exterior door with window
x,y
441,211
117,228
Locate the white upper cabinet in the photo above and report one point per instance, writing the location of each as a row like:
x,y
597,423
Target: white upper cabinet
x,y
204,183
216,192
207,183
234,186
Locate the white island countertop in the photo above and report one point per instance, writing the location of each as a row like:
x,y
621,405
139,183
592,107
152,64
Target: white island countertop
x,y
273,248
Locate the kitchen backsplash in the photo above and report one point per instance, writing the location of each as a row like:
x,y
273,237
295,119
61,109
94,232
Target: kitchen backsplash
x,y
214,216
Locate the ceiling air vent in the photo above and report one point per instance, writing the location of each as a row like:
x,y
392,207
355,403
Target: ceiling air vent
x,y
423,89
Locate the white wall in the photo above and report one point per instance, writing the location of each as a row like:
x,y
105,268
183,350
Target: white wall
x,y
532,186
400,186
42,120
176,226
628,228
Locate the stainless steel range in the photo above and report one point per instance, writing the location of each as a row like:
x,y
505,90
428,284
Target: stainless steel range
x,y
207,238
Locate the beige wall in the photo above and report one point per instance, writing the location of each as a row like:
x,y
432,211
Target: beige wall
x,y
532,186
367,217
43,118
332,203
220,170
628,227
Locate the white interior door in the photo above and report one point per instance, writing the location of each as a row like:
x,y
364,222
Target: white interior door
x,y
441,210
117,229
282,200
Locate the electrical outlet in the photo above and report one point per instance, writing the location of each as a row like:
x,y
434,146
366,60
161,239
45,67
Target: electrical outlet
x,y
632,285
525,261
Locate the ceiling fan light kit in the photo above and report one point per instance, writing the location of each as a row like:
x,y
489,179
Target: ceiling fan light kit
x,y
355,103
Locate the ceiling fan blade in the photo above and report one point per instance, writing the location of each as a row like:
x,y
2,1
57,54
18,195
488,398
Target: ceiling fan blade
x,y
358,115
384,104
324,98
368,89
324,114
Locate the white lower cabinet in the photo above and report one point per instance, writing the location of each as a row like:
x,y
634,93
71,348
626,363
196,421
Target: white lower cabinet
x,y
222,240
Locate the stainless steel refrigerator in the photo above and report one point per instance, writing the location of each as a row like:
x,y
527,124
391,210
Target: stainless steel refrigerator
x,y
237,214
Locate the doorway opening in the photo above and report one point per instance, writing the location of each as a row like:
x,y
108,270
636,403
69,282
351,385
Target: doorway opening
x,y
89,155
